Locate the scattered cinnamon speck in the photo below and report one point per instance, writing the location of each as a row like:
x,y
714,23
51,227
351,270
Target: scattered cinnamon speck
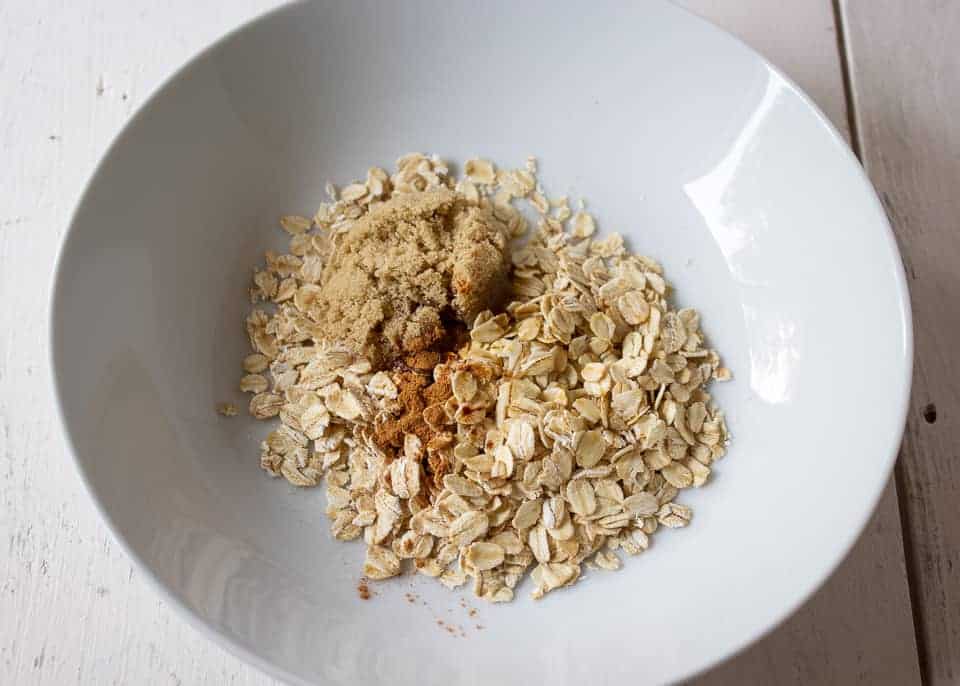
x,y
363,590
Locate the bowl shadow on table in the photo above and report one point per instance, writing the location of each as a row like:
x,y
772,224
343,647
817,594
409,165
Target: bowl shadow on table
x,y
863,610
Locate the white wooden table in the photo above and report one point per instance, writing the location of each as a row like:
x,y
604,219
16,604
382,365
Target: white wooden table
x,y
72,608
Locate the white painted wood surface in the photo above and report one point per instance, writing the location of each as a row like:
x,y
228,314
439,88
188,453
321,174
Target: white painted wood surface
x,y
72,608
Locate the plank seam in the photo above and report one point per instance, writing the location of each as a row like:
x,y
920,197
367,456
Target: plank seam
x,y
848,92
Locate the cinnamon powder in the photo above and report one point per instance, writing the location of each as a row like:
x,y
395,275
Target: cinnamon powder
x,y
423,385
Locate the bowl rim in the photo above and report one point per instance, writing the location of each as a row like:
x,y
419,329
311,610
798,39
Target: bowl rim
x,y
236,647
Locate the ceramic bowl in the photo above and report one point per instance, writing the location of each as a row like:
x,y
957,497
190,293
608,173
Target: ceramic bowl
x,y
680,137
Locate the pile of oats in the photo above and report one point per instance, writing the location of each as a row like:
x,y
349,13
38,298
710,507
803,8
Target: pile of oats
x,y
576,418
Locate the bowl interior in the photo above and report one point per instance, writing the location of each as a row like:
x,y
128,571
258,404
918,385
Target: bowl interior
x,y
678,136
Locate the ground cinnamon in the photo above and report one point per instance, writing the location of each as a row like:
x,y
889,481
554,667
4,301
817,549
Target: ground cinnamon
x,y
423,386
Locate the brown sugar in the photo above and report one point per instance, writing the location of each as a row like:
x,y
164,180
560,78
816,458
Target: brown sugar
x,y
409,269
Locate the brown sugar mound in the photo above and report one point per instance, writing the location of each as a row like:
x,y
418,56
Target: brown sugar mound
x,y
407,270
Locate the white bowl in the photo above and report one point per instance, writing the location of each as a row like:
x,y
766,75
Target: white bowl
x,y
680,137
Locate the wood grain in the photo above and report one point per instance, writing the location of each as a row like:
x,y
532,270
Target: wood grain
x,y
905,77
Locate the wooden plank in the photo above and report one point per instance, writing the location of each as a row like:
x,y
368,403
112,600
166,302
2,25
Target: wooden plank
x,y
905,79
858,627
